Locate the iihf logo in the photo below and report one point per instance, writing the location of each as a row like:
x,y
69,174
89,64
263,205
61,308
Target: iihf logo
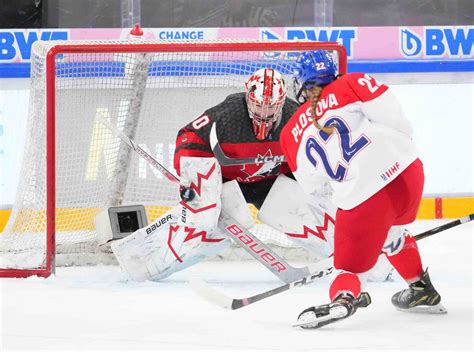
x,y
410,43
390,171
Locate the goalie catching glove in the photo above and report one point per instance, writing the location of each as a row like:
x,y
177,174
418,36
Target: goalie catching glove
x,y
201,180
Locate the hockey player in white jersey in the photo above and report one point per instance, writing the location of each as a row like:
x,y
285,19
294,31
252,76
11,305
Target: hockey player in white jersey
x,y
352,133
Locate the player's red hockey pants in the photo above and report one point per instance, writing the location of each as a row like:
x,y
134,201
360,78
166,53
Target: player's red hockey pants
x,y
361,231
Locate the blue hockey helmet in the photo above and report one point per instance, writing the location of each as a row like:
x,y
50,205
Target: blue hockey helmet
x,y
314,68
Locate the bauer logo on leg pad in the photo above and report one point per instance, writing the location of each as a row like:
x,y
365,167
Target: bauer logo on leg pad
x,y
236,231
157,224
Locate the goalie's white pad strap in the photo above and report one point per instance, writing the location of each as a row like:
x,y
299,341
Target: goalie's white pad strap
x,y
234,204
286,210
204,177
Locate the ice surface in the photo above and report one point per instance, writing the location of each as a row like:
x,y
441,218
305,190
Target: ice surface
x,y
96,308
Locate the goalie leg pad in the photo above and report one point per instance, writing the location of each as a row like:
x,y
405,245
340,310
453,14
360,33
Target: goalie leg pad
x,y
234,204
285,209
382,271
164,247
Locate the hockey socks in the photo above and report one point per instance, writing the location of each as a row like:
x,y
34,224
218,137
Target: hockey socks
x,y
342,307
345,282
408,262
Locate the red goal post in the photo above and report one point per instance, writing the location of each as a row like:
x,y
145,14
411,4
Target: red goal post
x,y
72,81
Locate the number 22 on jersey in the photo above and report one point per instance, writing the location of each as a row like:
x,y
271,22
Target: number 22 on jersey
x,y
316,149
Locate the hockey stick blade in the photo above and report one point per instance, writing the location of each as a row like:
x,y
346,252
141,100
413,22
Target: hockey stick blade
x,y
216,297
325,269
210,294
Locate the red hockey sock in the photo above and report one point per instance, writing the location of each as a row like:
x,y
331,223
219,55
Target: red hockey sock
x,y
345,282
408,262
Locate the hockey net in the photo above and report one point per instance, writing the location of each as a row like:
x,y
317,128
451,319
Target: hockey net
x,y
74,167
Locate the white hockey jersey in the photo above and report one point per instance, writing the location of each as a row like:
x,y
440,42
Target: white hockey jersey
x,y
370,146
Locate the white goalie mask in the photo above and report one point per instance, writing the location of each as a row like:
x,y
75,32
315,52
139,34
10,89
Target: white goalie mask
x,y
266,92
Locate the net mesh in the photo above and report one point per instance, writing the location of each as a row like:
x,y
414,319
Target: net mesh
x,y
148,96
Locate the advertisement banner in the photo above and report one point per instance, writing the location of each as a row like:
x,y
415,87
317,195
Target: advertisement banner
x,y
445,43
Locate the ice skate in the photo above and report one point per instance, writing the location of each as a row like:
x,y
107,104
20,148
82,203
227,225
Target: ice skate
x,y
420,297
342,307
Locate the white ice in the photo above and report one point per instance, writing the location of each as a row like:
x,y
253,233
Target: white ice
x,y
96,308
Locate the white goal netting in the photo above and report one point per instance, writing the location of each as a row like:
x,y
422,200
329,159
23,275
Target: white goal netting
x,y
147,95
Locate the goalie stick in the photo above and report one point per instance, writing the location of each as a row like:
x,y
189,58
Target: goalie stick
x,y
325,268
243,237
226,161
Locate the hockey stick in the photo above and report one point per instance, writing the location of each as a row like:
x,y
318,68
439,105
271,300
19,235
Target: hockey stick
x,y
226,161
140,151
326,268
232,228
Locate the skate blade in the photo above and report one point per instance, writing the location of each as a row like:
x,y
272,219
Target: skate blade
x,y
335,313
437,309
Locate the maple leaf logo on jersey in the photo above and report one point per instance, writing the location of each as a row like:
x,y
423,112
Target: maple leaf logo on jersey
x,y
256,172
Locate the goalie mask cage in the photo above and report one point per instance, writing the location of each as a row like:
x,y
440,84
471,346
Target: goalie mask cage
x,y
74,167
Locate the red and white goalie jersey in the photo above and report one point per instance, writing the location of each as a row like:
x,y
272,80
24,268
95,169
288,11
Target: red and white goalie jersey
x,y
236,138
371,143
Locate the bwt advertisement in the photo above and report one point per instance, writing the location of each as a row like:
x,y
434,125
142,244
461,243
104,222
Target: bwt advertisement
x,y
361,43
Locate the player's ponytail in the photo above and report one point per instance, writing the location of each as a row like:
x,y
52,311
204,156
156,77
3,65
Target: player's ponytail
x,y
313,95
